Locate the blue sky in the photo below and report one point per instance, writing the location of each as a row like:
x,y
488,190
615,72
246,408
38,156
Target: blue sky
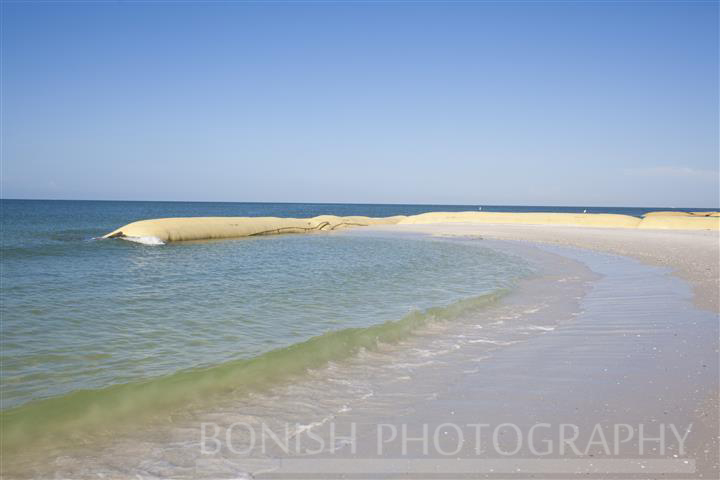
x,y
560,103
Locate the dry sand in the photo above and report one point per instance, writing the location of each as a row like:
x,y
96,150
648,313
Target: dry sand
x,y
652,220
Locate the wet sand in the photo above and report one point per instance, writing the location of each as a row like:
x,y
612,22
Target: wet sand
x,y
637,355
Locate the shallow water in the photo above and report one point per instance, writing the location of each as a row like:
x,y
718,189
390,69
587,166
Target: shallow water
x,y
99,333
89,321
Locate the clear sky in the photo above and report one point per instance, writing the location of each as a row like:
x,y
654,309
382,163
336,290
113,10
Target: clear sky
x,y
541,103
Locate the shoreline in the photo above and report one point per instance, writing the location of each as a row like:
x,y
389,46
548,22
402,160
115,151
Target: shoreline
x,y
693,255
469,368
669,372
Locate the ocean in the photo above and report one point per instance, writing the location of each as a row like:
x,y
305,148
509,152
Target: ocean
x,y
107,332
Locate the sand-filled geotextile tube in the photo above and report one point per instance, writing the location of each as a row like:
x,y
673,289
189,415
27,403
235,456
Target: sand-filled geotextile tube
x,y
164,230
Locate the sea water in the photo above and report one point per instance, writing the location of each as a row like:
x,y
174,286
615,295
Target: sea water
x,y
107,327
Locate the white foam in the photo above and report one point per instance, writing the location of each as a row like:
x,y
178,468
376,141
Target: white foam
x,y
494,342
300,428
539,327
144,240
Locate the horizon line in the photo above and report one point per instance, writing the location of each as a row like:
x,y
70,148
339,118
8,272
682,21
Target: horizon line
x,y
356,203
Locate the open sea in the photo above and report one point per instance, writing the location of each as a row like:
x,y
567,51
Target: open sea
x,y
96,331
